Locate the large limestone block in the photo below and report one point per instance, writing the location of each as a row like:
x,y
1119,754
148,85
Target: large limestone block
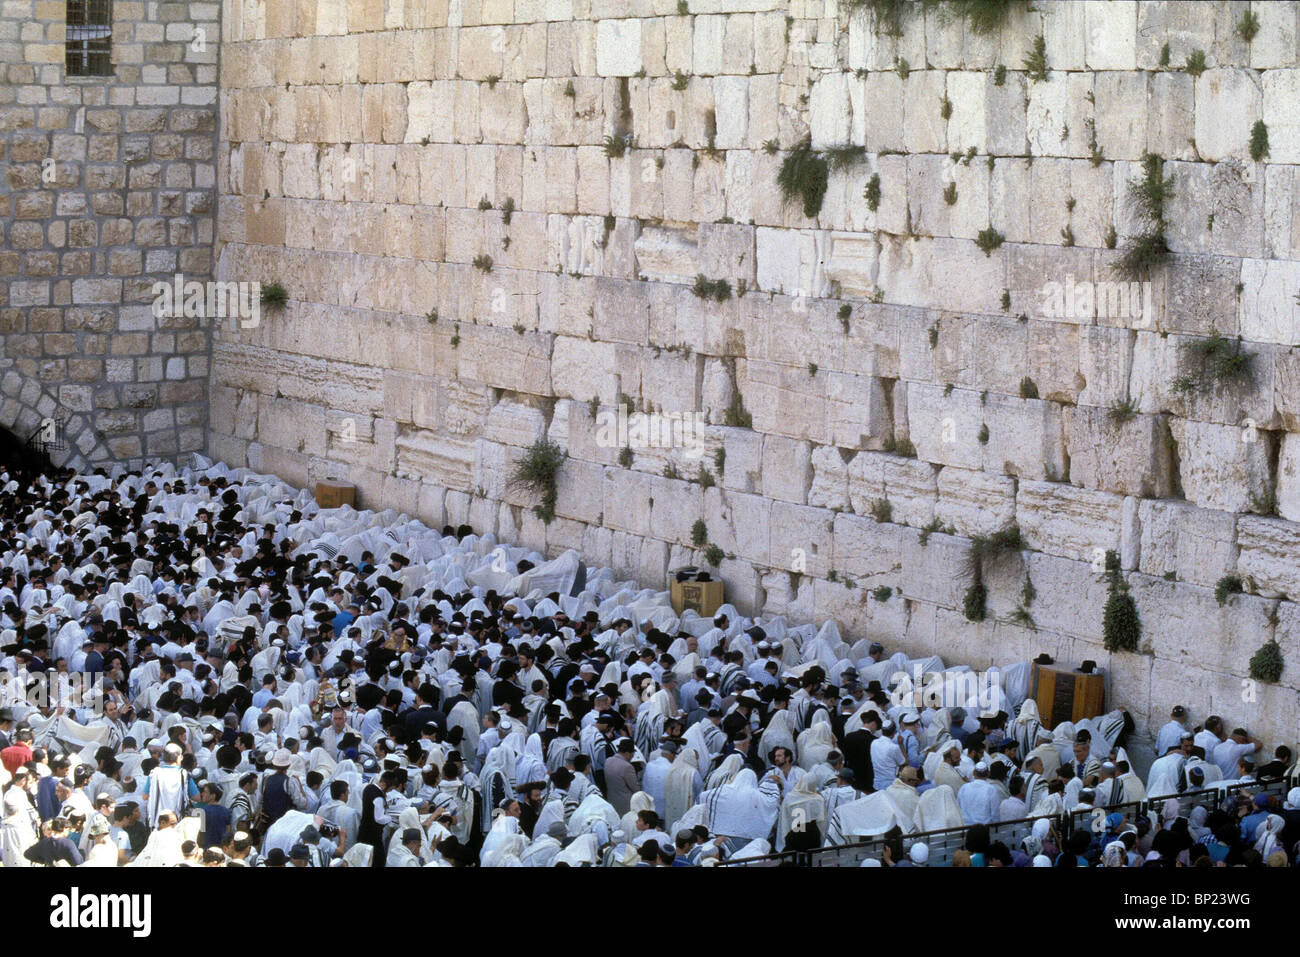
x,y
967,93
1267,550
743,463
868,551
1026,438
942,273
790,261
741,524
514,423
1282,87
1228,101
580,368
975,503
1288,477
830,112
1217,469
945,428
1130,458
1198,545
924,128
676,505
882,111
1110,38
1267,310
1186,625
909,486
1071,594
937,570
787,469
618,47
830,478
1071,522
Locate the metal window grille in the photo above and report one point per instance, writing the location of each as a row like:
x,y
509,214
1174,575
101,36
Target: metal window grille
x,y
89,42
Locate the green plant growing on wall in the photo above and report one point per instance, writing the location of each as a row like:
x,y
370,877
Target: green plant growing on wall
x,y
720,460
736,414
945,107
982,436
718,290
1258,141
1023,618
1267,663
1221,360
1028,388
989,239
950,193
680,80
886,15
682,8
431,317
1000,76
933,335
617,146
1195,62
1266,504
812,370
507,210
1067,236
903,447
625,456
882,593
1226,587
974,602
569,91
1006,300
1148,196
699,533
483,262
1248,26
804,175
1164,55
872,192
1036,62
985,16
1122,411
1121,628
714,555
1028,592
705,478
274,295
901,67
934,526
536,472
484,203
771,147
881,510
1112,238
843,157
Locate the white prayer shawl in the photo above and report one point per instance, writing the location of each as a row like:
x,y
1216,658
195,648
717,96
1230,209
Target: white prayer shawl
x,y
283,834
582,852
743,808
779,733
541,852
504,829
938,810
1025,728
683,785
802,806
16,831
640,801
724,773
866,817
814,744
593,810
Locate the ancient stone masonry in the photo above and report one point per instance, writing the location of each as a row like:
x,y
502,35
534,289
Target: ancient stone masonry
x,y
500,221
109,186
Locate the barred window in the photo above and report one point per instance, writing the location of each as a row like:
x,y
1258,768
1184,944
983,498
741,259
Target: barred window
x,y
89,38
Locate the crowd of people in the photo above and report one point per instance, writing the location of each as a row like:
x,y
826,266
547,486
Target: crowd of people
x,y
202,668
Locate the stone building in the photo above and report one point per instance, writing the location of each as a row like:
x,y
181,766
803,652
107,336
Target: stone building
x,y
500,221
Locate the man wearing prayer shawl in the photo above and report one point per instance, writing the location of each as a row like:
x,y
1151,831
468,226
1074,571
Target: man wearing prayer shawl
x,y
682,787
945,771
17,832
744,809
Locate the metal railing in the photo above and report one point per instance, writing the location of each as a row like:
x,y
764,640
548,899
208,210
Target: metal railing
x,y
943,843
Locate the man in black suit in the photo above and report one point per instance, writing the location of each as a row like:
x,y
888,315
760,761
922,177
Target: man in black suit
x,y
857,750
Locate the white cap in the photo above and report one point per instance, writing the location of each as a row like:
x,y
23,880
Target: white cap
x,y
1042,860
920,853
870,862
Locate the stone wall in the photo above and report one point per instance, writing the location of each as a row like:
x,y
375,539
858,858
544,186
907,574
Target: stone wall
x,y
109,186
470,270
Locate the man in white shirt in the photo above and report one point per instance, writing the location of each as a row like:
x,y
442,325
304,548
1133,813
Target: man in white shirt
x,y
1169,735
1014,808
979,799
1229,752
1208,738
886,757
